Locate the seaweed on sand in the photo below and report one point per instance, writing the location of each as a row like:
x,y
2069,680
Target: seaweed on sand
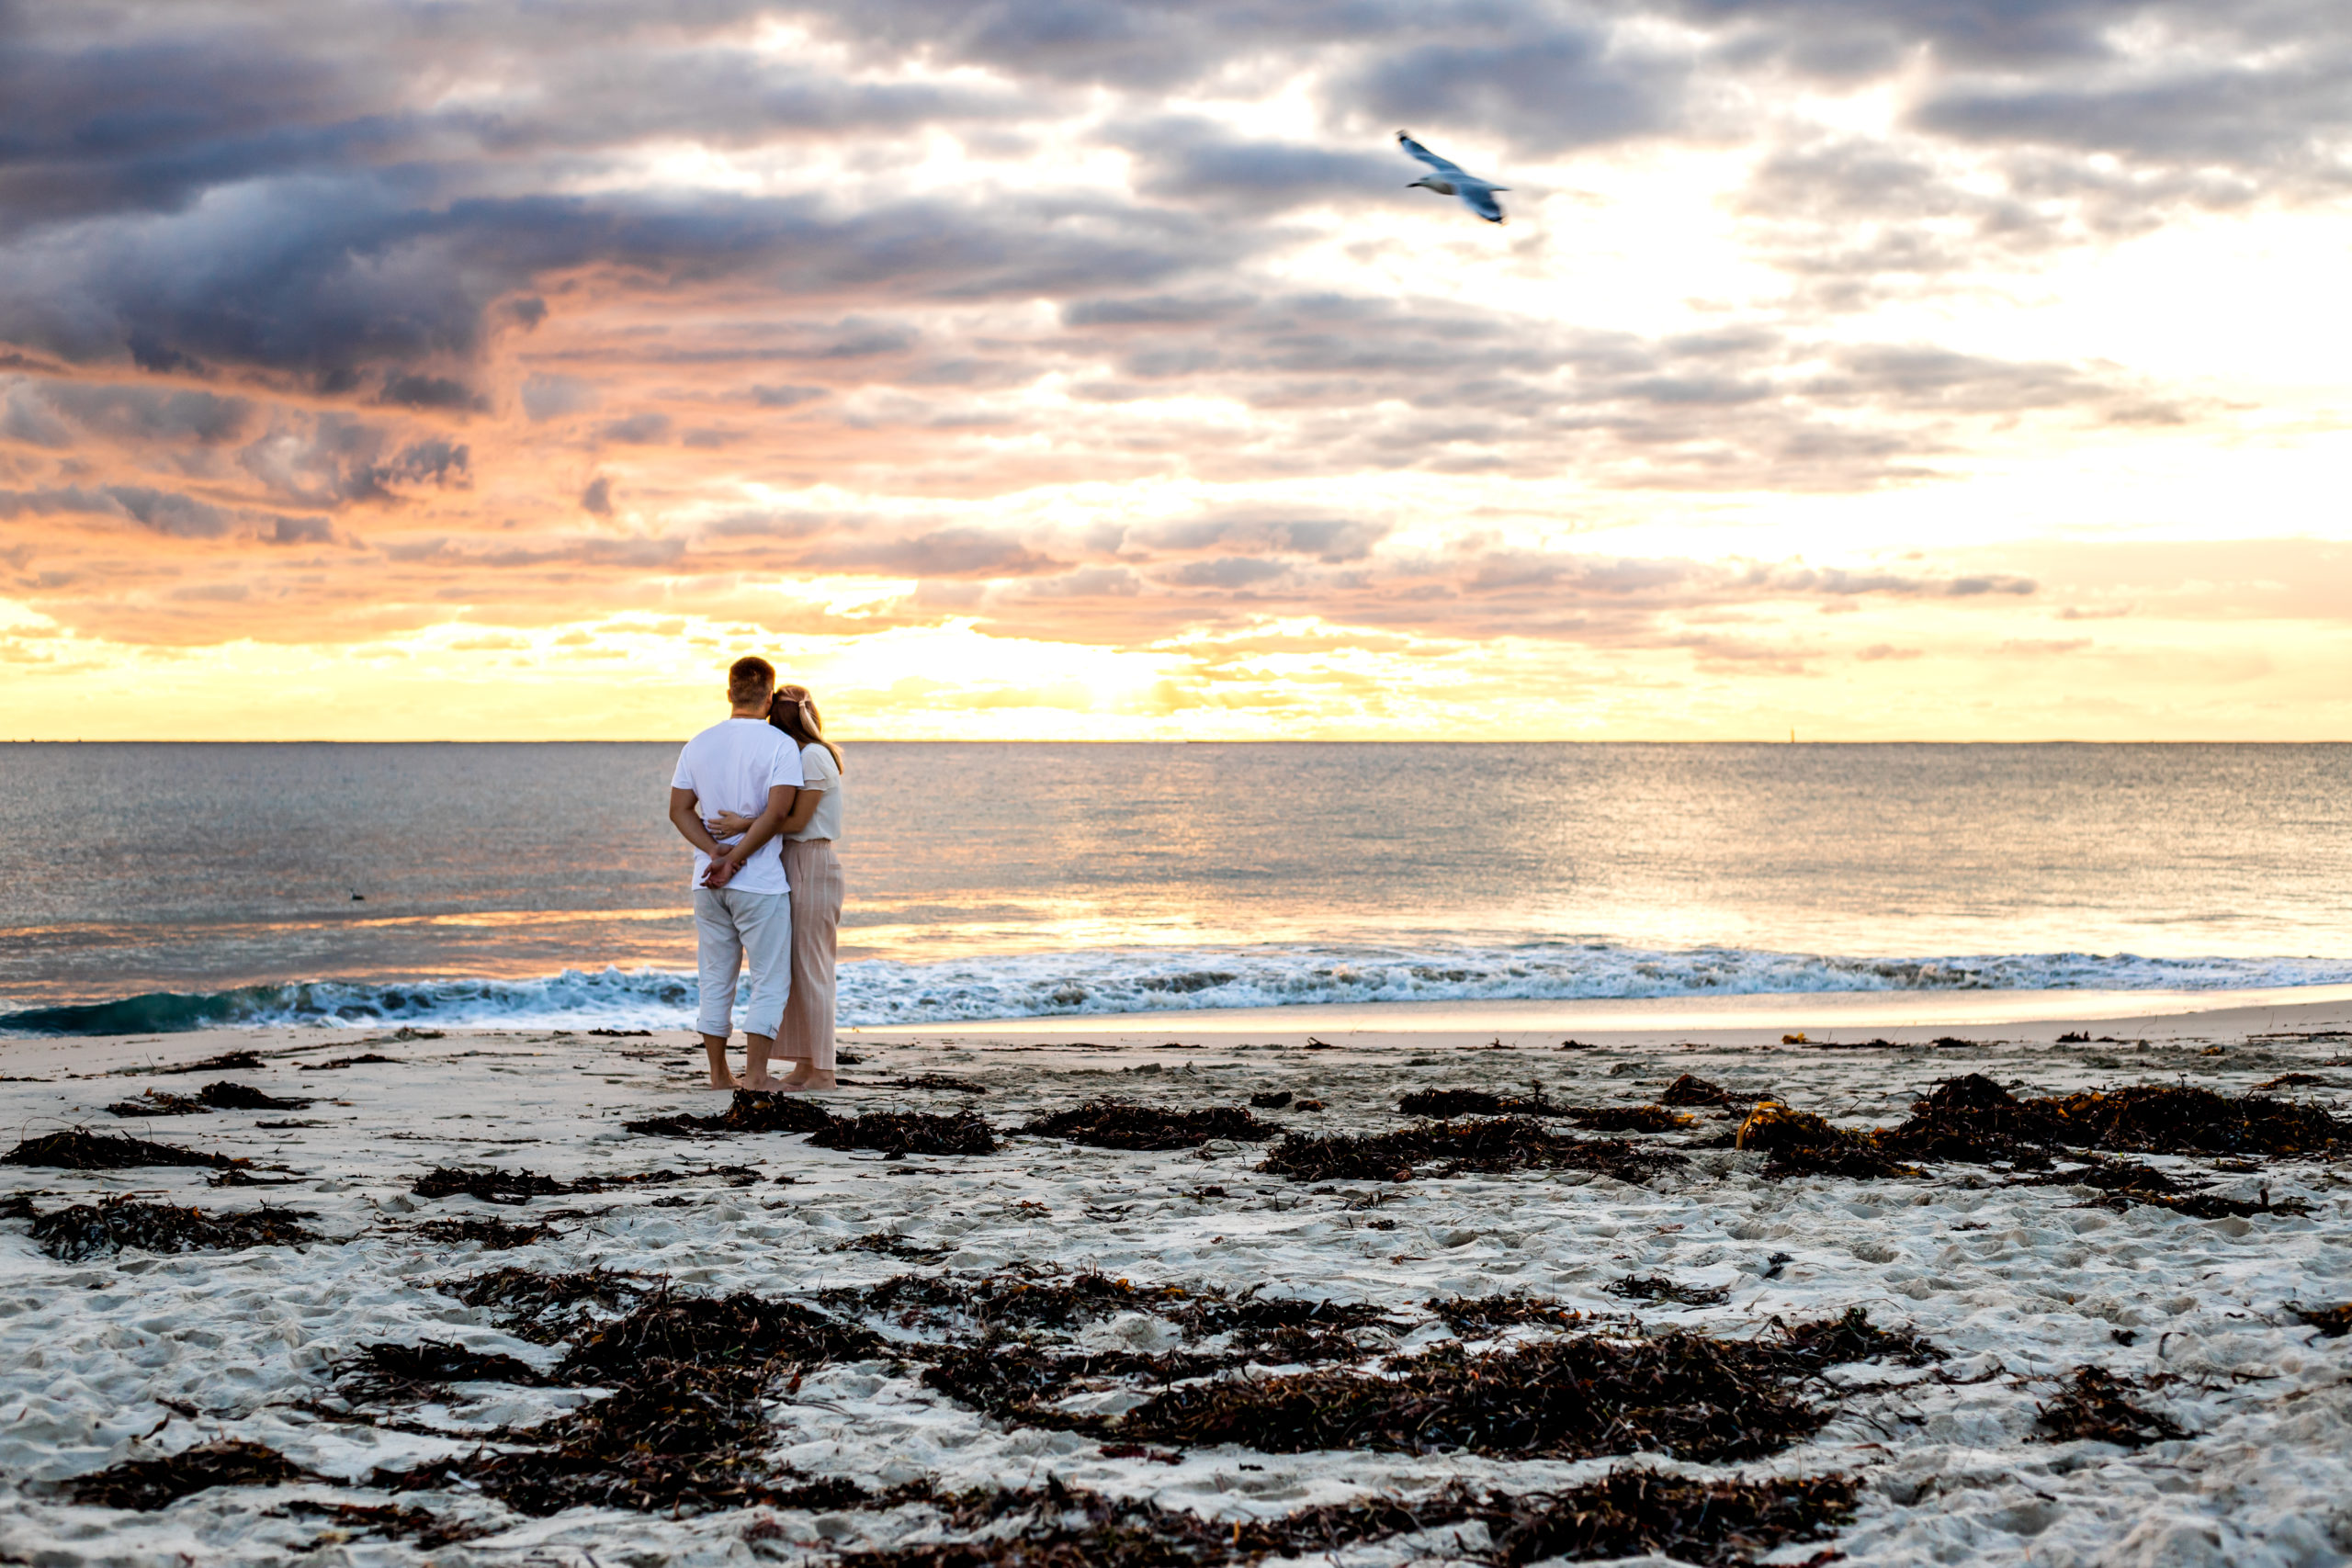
x,y
1975,1120
1625,1118
491,1186
1473,1318
2200,1205
945,1082
1802,1143
1270,1099
148,1485
1690,1089
494,1234
546,1308
2333,1323
1658,1288
2152,1119
227,1096
78,1148
1021,1383
227,1062
1851,1336
428,1531
1582,1397
734,1330
156,1102
2107,1176
84,1230
1717,1524
1112,1123
747,1112
384,1372
1445,1102
1500,1144
2093,1408
902,1133
339,1062
994,1304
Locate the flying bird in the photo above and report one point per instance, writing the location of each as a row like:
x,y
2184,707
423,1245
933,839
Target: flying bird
x,y
1448,178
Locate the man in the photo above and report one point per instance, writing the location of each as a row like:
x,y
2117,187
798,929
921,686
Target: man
x,y
742,903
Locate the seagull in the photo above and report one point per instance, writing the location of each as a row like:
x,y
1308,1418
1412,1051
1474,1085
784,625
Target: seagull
x,y
1451,179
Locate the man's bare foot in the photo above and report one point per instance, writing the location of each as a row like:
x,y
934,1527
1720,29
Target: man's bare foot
x,y
722,1079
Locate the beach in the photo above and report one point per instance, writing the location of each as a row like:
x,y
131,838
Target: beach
x,y
2005,1289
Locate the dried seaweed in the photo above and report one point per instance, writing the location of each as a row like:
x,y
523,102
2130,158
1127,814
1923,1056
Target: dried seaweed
x,y
1718,1524
2094,1407
147,1484
892,1246
2201,1205
2149,1119
1658,1288
902,1133
546,1308
994,1304
946,1082
1020,1383
78,1148
155,1102
339,1062
428,1531
1851,1336
227,1062
491,1186
1501,1143
2293,1081
1625,1118
385,1374
1270,1099
86,1230
1802,1143
2333,1323
1689,1090
1975,1120
227,1096
494,1234
2107,1176
1444,1103
1582,1397
1476,1317
737,1331
747,1112
1112,1123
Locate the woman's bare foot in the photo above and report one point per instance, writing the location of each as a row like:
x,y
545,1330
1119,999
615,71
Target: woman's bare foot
x,y
813,1083
769,1085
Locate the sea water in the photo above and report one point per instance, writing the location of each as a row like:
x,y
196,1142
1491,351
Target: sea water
x,y
154,886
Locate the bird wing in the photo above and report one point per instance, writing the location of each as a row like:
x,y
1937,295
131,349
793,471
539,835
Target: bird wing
x,y
1442,165
1480,200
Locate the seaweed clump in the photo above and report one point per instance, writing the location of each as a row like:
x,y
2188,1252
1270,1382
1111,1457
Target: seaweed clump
x,y
1476,1317
227,1096
1973,1119
147,1484
2094,1407
381,1373
901,1133
1625,1118
1686,1394
546,1308
2152,1119
1658,1288
84,1230
2333,1323
748,1111
1802,1143
1444,1102
1692,1089
1499,1143
388,1520
491,1186
1112,1123
78,1148
494,1234
158,1102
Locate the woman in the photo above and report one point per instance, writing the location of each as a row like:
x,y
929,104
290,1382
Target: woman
x,y
806,1038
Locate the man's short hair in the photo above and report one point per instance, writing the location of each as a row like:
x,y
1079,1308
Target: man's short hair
x,y
750,679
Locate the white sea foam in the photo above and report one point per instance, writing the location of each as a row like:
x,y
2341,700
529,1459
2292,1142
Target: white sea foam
x,y
1160,980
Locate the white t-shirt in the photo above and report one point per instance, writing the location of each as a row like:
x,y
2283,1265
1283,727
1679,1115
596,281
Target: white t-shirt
x,y
820,771
730,767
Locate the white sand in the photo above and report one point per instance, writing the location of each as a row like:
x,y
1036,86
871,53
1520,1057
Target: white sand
x,y
2020,1284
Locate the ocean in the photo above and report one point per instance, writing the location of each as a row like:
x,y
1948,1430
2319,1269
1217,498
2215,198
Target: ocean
x,y
148,887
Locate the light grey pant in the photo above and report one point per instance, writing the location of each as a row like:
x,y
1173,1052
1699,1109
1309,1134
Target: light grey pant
x,y
730,926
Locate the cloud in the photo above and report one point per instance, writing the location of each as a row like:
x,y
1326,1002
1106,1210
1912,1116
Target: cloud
x,y
598,497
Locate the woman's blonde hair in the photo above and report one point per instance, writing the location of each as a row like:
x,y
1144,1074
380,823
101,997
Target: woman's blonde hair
x,y
794,711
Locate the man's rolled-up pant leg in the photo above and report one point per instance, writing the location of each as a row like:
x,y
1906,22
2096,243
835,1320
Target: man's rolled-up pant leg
x,y
765,922
718,953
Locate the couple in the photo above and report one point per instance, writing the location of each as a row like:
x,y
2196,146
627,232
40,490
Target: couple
x,y
758,796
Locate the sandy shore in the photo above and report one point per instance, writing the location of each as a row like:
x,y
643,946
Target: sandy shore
x,y
127,1355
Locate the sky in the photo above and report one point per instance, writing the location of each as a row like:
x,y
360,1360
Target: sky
x,y
1854,369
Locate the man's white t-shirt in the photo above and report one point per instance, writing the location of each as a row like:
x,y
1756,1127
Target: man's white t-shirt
x,y
730,767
